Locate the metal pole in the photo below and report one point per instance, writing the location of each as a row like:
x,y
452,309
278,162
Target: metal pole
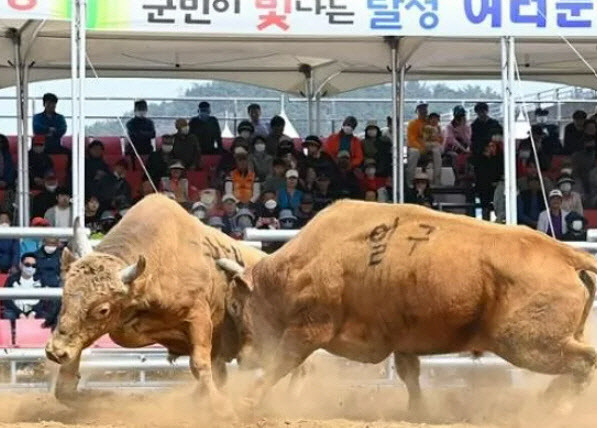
x,y
20,139
400,127
309,94
26,184
318,114
506,113
80,212
512,140
395,149
74,105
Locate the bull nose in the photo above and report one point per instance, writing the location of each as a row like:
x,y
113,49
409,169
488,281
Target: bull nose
x,y
56,355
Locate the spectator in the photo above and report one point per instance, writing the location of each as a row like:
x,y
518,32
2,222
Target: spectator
x,y
40,163
216,222
483,129
95,166
347,185
47,198
31,245
488,169
307,184
141,131
531,171
230,208
577,228
243,219
557,214
317,159
584,161
288,220
346,141
60,215
24,279
457,139
525,150
277,180
186,146
246,130
571,201
50,125
227,162
417,147
114,191
370,196
377,146
289,197
146,189
206,129
259,128
7,168
48,262
499,200
268,213
287,152
107,221
199,211
242,182
551,140
323,196
530,203
420,193
260,161
158,161
574,133
92,214
9,248
305,211
209,198
176,183
371,181
276,134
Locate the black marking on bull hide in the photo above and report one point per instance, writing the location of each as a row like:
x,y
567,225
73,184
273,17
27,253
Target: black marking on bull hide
x,y
426,230
378,241
218,250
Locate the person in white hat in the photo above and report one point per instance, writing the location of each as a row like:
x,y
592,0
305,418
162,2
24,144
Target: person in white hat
x,y
176,183
289,197
558,216
420,194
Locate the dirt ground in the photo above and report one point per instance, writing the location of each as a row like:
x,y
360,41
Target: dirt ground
x,y
326,399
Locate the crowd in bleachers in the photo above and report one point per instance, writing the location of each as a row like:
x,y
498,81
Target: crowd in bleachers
x,y
265,179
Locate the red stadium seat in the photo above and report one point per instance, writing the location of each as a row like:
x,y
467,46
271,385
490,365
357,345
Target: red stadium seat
x,y
198,179
591,216
13,147
29,334
3,277
210,162
60,167
227,143
67,141
5,334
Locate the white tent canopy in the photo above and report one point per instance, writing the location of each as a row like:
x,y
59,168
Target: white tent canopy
x,y
338,64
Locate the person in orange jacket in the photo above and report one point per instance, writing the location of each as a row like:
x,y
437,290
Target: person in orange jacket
x,y
417,146
345,140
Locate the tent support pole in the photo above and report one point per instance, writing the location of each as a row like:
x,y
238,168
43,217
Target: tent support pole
x,y
309,94
80,212
25,113
509,112
512,140
400,132
318,113
20,138
395,143
74,104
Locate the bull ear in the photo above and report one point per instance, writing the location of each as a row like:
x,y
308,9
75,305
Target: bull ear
x,y
134,271
236,273
66,260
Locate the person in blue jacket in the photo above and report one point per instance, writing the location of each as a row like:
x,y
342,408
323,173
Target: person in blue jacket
x,y
51,125
9,248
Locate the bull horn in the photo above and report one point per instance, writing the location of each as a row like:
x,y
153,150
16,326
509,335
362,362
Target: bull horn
x,y
134,271
82,244
230,266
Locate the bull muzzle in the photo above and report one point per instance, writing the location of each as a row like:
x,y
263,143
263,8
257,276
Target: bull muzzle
x,y
57,354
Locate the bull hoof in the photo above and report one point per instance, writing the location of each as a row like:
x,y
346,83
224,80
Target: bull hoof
x,y
417,410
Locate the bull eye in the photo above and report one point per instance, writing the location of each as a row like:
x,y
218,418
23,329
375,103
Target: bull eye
x,y
103,311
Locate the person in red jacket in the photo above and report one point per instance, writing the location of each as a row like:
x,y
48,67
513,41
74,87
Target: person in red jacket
x,y
345,140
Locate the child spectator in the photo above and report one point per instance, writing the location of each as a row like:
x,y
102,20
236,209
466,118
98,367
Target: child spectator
x,y
207,130
571,201
557,214
186,146
289,197
417,146
177,184
40,163
306,210
323,196
260,161
577,228
277,180
420,194
24,279
60,215
242,182
31,245
9,248
7,168
317,159
141,131
92,214
346,141
288,220
370,180
158,161
230,208
50,125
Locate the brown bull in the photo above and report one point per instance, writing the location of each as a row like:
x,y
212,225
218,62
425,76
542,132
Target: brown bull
x,y
363,280
153,279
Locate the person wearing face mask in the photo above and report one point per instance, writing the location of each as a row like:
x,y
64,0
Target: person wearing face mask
x,y
420,193
346,141
557,214
48,262
206,129
158,161
246,130
289,197
243,219
39,163
24,279
50,125
288,220
370,180
551,141
230,208
577,228
186,146
571,201
141,130
47,198
9,248
347,184
316,158
60,215
379,147
199,211
574,133
275,136
525,151
259,160
242,182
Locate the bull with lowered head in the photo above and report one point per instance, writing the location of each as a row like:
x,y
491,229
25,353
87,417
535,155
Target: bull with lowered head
x,y
152,280
365,280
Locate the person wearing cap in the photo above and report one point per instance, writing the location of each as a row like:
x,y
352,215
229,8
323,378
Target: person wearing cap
x,y
199,211
346,141
557,214
276,134
316,158
571,201
259,127
216,222
574,133
159,161
141,130
259,160
50,125
370,180
206,129
417,146
230,208
60,215
306,210
525,150
323,195
7,167
95,166
47,198
242,182
288,220
483,128
277,179
584,161
227,162
457,135
39,162
244,219
347,184
289,197
420,193
176,183
577,228
113,191
186,146
246,130
31,245
107,221
378,147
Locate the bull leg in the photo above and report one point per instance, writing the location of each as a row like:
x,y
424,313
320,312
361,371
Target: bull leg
x,y
220,374
65,389
408,368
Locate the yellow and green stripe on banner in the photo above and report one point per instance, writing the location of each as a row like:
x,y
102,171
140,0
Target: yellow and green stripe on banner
x,y
108,14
